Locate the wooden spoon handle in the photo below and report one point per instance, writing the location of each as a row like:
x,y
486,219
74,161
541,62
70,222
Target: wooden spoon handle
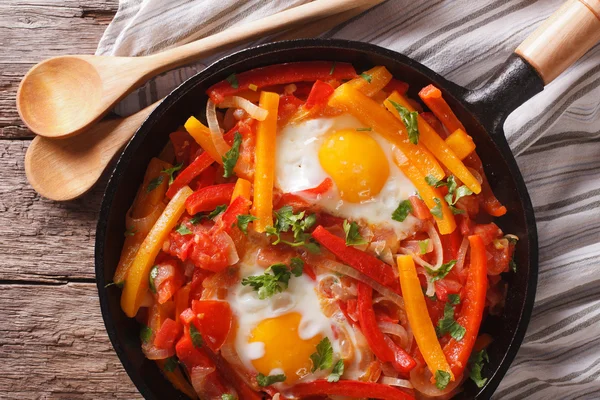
x,y
563,38
283,20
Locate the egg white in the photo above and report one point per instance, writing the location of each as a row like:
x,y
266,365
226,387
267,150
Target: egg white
x,y
298,168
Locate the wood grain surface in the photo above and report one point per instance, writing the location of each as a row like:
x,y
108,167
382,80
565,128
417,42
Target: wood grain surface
x,y
53,344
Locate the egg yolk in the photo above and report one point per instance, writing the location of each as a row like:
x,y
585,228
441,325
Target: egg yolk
x,y
284,349
356,163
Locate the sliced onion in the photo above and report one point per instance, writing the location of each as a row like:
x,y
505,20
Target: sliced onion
x,y
215,131
437,246
188,268
396,330
154,353
198,379
289,89
420,377
462,253
224,241
254,111
351,272
144,224
386,380
476,174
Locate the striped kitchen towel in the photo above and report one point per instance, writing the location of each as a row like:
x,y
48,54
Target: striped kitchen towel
x,y
555,136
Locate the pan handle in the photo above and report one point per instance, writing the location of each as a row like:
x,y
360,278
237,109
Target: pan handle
x,y
561,40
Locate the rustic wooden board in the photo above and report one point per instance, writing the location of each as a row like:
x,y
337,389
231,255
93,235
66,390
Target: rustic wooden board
x,y
53,345
33,30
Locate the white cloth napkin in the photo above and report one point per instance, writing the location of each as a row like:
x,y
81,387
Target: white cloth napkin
x,y
555,136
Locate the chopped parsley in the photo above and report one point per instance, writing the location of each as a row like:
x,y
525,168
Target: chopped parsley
x,y
476,363
196,337
454,299
231,157
286,220
243,221
409,119
130,231
423,246
437,210
513,265
199,217
297,266
269,380
404,208
232,79
337,372
366,77
456,210
171,364
447,324
183,230
151,277
332,68
369,129
145,333
323,357
442,379
154,183
441,272
228,396
275,279
171,171
353,237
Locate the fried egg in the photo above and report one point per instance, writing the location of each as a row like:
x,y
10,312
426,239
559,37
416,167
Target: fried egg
x,y
368,185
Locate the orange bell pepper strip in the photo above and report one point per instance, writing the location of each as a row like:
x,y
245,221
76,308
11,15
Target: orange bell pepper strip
x,y
432,97
264,169
182,300
461,144
418,317
242,188
372,81
371,114
430,195
471,312
136,284
177,379
434,143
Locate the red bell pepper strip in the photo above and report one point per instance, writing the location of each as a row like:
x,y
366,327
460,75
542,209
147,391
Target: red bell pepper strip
x,y
399,86
434,123
432,97
488,200
321,189
303,71
383,347
319,94
208,198
359,260
243,389
350,388
213,321
239,206
470,316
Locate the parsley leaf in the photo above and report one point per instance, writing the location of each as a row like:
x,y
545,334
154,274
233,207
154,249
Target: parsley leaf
x,y
183,230
145,334
171,364
404,208
269,380
409,118
442,379
228,396
476,362
353,237
275,279
286,220
454,299
171,171
196,337
151,277
297,266
366,77
323,358
154,183
441,272
447,324
130,231
456,211
244,220
437,210
217,211
332,68
337,372
369,129
232,79
433,181
231,157
423,246
513,265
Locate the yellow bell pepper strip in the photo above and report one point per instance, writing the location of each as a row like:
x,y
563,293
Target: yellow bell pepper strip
x,y
434,143
372,81
460,143
430,195
201,135
418,317
147,205
175,376
373,115
471,312
242,188
264,169
136,284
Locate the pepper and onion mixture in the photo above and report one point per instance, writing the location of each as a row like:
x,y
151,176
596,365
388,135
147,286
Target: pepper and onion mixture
x,y
315,234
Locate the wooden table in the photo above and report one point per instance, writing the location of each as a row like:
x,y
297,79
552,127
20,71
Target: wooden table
x,y
52,339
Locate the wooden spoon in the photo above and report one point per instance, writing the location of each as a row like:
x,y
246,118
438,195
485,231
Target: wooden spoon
x,y
65,169
63,96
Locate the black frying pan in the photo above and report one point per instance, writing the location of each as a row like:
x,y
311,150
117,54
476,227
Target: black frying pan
x,y
482,112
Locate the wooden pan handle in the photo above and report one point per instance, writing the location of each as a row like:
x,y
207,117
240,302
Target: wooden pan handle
x,y
563,38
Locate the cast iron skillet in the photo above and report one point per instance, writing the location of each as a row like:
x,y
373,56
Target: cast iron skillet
x,y
483,113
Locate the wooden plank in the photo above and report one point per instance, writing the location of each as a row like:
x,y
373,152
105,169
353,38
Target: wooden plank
x,y
43,240
33,30
53,345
